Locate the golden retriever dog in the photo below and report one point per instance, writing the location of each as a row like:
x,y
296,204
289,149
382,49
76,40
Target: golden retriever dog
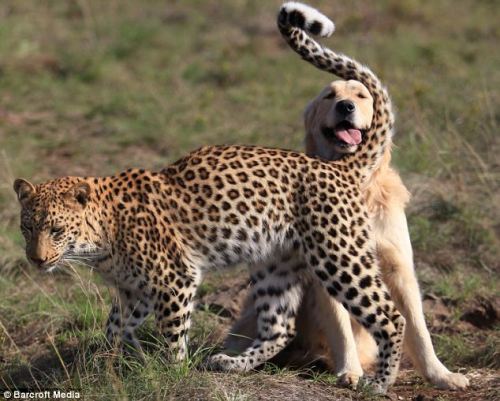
x,y
346,346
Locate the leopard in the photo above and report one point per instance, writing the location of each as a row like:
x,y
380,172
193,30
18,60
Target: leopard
x,y
152,235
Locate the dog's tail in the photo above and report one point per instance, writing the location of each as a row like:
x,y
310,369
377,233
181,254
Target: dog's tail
x,y
295,22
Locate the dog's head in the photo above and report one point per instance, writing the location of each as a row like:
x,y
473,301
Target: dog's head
x,y
338,117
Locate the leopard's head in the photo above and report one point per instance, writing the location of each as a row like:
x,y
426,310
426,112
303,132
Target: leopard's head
x,y
53,220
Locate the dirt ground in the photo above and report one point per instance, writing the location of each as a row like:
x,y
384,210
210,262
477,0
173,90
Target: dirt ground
x,y
481,317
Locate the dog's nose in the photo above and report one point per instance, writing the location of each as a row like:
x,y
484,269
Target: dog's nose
x,y
345,107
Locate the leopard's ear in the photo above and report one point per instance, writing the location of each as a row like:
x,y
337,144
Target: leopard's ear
x,y
79,194
24,190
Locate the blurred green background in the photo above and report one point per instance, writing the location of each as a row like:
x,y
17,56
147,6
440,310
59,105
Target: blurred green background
x,y
92,87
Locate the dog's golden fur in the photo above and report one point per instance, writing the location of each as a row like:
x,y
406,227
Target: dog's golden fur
x,y
322,113
345,346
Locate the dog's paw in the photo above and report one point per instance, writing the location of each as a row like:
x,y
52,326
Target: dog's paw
x,y
349,380
450,381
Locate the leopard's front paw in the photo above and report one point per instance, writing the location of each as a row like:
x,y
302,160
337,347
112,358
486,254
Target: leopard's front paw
x,y
226,363
221,363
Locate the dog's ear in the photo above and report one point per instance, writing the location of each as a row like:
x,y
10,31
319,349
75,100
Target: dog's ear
x,y
316,107
24,190
310,115
310,123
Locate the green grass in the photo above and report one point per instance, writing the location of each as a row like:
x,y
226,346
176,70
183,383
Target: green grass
x,y
93,87
462,350
461,287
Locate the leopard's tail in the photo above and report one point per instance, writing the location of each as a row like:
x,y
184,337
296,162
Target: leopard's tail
x,y
295,22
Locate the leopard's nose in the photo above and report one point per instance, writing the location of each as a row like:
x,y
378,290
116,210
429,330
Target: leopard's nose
x,y
38,261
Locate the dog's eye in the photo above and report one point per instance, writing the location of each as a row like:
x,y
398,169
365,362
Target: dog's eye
x,y
362,96
330,95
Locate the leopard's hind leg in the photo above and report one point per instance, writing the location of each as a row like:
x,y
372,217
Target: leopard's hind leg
x,y
356,283
277,292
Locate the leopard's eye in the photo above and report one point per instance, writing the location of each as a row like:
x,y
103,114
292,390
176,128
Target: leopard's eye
x,y
26,227
56,230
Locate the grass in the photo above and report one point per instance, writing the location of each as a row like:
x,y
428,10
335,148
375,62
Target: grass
x,y
462,350
460,287
92,87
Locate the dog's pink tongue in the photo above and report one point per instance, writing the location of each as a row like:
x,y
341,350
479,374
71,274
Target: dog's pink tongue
x,y
351,136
